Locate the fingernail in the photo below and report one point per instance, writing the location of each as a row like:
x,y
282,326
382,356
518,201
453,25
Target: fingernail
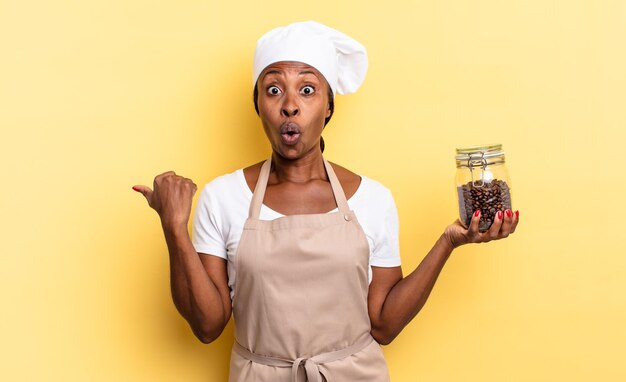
x,y
477,213
499,214
135,188
509,213
517,214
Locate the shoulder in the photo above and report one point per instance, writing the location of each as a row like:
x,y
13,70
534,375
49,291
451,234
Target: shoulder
x,y
373,197
224,198
375,188
222,181
224,186
251,174
350,182
366,186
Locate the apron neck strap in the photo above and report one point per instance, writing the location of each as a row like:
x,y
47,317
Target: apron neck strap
x,y
340,196
259,190
261,186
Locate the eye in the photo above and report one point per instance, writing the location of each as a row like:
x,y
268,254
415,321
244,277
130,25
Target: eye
x,y
308,90
273,90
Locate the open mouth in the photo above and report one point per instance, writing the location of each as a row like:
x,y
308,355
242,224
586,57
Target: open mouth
x,y
290,132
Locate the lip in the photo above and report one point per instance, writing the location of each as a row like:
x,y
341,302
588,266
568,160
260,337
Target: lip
x,y
290,133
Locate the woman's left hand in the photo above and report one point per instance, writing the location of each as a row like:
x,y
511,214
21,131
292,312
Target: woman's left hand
x,y
503,225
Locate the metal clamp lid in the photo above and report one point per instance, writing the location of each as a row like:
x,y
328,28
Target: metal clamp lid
x,y
491,153
479,156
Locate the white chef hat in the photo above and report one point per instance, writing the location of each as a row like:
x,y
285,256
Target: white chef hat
x,y
341,59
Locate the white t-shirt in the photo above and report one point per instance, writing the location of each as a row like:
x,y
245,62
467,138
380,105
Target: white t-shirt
x,y
223,208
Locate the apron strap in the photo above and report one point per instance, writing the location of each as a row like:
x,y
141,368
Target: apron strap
x,y
340,196
261,186
311,365
259,190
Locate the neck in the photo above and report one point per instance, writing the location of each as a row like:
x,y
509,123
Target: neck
x,y
300,170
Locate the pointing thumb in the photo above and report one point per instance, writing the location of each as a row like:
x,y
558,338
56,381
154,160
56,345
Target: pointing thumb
x,y
143,189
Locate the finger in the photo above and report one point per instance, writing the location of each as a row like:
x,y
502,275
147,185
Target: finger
x,y
160,178
494,230
171,172
507,223
472,231
144,190
515,221
166,173
194,186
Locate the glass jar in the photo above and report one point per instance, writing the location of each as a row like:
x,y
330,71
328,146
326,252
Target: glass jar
x,y
482,183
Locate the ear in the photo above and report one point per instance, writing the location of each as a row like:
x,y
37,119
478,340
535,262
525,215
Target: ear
x,y
328,110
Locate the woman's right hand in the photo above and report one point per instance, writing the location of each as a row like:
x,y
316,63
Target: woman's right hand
x,y
171,198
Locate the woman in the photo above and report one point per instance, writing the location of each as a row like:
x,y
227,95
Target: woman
x,y
304,253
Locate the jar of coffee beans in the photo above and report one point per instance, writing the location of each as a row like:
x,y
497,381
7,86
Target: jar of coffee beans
x,y
482,183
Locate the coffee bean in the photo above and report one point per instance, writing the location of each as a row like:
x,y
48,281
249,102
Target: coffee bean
x,y
490,198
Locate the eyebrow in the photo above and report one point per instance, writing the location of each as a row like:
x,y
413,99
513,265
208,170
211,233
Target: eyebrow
x,y
274,71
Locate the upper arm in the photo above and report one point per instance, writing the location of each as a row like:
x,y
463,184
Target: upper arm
x,y
383,280
216,269
209,241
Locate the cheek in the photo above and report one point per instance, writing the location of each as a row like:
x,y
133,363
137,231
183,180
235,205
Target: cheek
x,y
265,107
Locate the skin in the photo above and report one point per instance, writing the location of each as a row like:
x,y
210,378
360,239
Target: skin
x,y
297,93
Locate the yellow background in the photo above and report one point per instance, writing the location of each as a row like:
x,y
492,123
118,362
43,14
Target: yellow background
x,y
96,96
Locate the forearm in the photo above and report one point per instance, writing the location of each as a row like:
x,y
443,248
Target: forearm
x,y
195,295
408,296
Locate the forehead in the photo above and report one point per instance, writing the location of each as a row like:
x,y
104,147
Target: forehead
x,y
282,67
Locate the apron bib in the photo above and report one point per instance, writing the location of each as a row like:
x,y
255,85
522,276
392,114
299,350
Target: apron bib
x,y
300,304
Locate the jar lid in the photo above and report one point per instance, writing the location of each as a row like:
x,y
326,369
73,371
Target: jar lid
x,y
479,156
476,152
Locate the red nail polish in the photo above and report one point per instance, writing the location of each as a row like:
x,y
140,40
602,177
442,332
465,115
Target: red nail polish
x,y
477,213
517,214
135,188
509,213
499,214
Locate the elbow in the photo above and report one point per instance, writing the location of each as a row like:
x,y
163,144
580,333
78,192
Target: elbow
x,y
208,333
383,337
207,329
206,339
207,336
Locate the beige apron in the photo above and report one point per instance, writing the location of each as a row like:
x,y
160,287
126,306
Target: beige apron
x,y
300,303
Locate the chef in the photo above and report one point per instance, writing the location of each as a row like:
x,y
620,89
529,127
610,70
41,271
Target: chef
x,y
302,252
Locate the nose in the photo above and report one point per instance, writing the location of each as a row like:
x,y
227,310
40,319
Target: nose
x,y
290,107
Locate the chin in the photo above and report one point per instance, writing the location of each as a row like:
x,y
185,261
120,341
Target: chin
x,y
288,154
291,152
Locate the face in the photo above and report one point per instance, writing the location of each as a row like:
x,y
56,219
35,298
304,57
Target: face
x,y
293,105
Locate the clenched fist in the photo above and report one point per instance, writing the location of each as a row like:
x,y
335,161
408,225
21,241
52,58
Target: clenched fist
x,y
171,198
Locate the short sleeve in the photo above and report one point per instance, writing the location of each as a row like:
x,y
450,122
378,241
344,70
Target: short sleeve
x,y
386,250
207,228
